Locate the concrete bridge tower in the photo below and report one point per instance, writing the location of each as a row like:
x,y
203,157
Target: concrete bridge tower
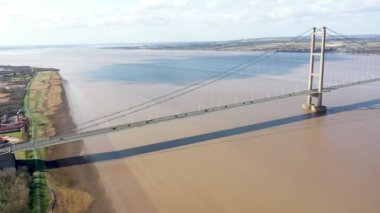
x,y
318,89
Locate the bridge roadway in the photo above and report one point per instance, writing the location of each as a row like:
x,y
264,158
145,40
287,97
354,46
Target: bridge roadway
x,y
28,145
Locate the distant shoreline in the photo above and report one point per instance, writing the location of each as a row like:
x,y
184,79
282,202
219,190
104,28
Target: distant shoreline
x,y
365,45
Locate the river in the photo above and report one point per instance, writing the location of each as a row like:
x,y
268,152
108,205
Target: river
x,y
270,157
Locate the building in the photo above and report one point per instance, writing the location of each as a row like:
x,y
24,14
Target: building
x,y
15,123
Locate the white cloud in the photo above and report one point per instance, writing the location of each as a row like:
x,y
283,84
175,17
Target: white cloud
x,y
213,16
45,14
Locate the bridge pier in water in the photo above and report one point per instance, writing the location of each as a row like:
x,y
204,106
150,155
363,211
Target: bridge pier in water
x,y
309,106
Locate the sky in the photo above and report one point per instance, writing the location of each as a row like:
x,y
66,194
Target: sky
x,y
46,22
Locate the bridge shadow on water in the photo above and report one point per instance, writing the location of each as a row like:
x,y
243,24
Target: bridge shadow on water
x,y
161,146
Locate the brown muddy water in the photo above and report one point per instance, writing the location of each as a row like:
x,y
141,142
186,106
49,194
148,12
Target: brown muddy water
x,y
270,157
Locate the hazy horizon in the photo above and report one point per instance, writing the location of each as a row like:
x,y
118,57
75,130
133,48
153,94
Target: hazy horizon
x,y
153,43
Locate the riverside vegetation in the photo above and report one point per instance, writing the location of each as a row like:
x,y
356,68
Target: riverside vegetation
x,y
14,193
34,90
42,104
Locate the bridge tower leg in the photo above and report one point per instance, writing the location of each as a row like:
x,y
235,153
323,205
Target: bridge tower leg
x,y
317,92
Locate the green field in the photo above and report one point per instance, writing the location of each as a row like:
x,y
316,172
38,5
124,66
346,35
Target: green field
x,y
17,134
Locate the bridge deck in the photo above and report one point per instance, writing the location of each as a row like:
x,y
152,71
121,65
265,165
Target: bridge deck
x,y
78,136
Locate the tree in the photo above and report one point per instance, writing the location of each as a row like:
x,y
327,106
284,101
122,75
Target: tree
x,y
14,190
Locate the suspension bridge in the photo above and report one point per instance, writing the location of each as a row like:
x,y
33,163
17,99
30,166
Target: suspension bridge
x,y
317,84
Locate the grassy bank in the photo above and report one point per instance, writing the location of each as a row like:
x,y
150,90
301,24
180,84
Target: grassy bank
x,y
42,102
36,104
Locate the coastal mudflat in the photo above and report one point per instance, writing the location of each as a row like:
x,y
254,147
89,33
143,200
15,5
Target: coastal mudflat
x,y
75,189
